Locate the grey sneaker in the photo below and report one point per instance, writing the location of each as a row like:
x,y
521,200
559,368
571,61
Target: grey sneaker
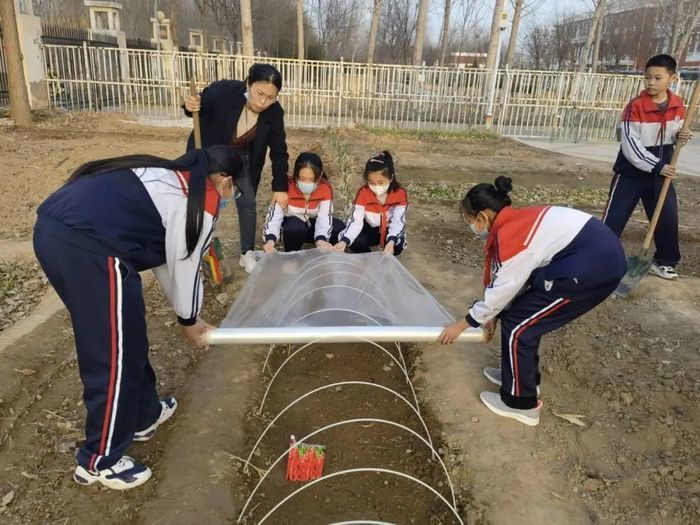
x,y
665,272
494,375
248,261
493,402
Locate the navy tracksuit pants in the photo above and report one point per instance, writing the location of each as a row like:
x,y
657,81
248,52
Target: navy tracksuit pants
x,y
371,236
104,298
553,300
295,232
625,193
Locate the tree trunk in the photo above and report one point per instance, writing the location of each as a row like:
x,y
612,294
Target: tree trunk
x,y
300,29
513,39
247,28
374,28
676,28
420,32
20,111
495,34
596,47
445,31
681,47
597,19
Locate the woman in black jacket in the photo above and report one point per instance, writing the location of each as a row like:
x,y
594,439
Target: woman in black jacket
x,y
246,115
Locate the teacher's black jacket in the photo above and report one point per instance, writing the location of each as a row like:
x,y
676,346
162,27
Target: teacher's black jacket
x,y
222,105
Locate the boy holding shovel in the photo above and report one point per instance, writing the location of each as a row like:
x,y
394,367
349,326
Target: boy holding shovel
x,y
651,127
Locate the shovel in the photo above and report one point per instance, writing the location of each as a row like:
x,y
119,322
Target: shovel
x,y
195,117
638,265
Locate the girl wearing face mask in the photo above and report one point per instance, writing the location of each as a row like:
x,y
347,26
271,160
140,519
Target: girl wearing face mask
x,y
308,217
113,219
378,212
545,266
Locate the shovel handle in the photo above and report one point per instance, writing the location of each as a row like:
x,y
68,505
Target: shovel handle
x,y
689,117
195,117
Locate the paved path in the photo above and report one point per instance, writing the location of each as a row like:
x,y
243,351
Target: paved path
x,y
689,163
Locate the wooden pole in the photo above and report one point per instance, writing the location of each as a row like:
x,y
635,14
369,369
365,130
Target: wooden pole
x,y
20,111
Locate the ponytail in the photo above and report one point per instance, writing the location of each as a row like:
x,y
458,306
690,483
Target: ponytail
x,y
383,162
486,196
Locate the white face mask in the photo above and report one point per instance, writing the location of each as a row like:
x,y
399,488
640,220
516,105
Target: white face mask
x,y
379,189
483,234
306,187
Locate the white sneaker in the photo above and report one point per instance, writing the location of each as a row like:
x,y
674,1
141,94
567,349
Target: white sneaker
x,y
125,474
168,405
665,272
494,375
493,402
248,261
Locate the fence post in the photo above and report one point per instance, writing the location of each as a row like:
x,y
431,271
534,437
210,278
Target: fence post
x,y
173,83
341,79
88,77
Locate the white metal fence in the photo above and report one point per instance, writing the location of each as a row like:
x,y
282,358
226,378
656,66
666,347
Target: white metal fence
x,y
560,105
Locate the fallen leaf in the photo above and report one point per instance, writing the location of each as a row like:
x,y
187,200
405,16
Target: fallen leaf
x,y
25,371
7,499
572,418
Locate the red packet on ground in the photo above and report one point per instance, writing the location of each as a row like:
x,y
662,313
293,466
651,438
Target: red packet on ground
x,y
305,462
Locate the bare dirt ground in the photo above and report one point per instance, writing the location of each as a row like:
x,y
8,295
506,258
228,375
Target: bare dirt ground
x,y
630,369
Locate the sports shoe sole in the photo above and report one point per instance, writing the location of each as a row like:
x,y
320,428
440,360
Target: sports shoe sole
x,y
83,477
512,415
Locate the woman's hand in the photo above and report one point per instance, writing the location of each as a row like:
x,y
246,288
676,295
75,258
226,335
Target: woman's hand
x,y
452,331
193,104
489,329
324,245
389,248
281,198
269,247
684,136
340,246
197,332
668,171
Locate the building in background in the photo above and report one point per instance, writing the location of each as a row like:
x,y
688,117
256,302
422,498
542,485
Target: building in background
x,y
632,31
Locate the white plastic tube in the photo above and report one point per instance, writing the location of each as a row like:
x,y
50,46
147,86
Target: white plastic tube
x,y
334,334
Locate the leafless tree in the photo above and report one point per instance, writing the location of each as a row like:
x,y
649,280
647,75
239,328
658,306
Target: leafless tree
x,y
421,23
537,45
677,22
596,21
300,29
337,26
374,26
496,33
469,34
397,31
445,33
247,28
521,9
20,110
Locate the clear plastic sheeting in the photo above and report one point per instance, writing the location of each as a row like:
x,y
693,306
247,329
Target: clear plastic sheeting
x,y
318,295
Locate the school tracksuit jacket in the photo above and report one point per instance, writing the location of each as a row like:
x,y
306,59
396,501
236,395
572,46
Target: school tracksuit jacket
x,y
304,220
545,266
92,237
373,223
648,138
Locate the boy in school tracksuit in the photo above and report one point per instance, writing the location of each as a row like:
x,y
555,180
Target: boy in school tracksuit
x,y
651,124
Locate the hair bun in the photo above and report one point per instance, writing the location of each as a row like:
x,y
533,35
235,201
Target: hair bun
x,y
504,184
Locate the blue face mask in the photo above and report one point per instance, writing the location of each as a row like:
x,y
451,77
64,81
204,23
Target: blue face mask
x,y
307,187
224,202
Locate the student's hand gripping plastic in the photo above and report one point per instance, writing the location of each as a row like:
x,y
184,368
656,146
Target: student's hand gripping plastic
x,y
324,245
340,247
668,171
452,331
197,333
389,248
269,247
193,104
489,328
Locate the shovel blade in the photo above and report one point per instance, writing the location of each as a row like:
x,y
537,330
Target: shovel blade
x,y
637,267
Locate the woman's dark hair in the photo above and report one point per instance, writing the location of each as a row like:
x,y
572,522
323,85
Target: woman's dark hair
x,y
199,162
383,162
312,161
264,73
488,197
